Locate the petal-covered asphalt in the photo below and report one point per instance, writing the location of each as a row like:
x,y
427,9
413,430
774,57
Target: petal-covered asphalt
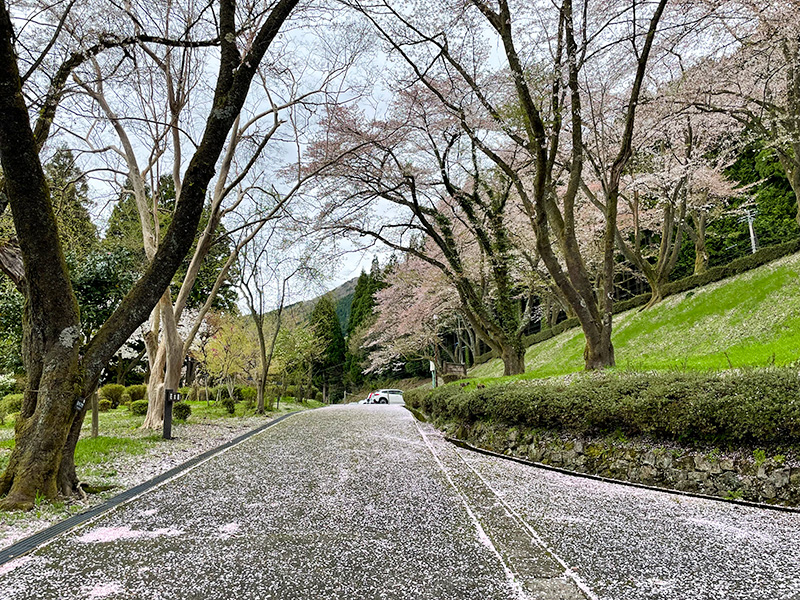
x,y
361,502
628,543
345,502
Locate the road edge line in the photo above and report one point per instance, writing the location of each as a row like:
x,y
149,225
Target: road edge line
x,y
45,536
748,503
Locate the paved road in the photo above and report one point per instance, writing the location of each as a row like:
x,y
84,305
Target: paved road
x,y
361,502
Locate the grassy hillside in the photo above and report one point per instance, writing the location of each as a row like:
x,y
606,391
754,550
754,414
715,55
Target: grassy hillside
x,y
749,320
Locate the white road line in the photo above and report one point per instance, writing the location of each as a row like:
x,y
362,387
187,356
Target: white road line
x,y
568,570
512,577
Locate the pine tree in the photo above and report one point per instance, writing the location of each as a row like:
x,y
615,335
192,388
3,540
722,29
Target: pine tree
x,y
329,367
69,195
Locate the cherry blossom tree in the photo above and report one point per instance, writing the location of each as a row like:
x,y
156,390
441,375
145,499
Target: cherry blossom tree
x,y
411,312
528,116
750,71
450,206
675,179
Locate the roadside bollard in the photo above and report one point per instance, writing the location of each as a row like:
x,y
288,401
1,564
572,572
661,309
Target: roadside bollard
x,y
170,397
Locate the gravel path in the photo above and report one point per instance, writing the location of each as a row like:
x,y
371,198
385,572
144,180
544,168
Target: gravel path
x,y
362,502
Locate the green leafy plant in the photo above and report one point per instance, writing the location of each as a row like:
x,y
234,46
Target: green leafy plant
x,y
228,404
734,495
760,457
113,393
104,405
139,407
11,403
181,411
136,392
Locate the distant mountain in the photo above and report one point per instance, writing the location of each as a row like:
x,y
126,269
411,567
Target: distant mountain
x,y
342,298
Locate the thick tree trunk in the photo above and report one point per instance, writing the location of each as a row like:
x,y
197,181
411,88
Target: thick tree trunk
x,y
700,257
165,369
599,351
513,360
67,475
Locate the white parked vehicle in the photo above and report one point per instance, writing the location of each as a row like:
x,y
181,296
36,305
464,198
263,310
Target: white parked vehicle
x,y
386,397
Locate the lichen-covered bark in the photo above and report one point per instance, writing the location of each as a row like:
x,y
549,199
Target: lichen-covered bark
x,y
59,379
51,324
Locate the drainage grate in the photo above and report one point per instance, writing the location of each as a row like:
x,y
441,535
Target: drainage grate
x,y
37,539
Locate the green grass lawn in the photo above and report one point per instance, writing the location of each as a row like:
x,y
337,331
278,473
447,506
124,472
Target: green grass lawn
x,y
749,320
120,432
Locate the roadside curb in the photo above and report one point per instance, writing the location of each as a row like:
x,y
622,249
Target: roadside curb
x,y
467,446
32,542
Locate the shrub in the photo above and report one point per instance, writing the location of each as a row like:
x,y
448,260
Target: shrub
x,y
113,393
181,411
125,399
104,405
11,403
137,392
228,404
759,407
139,407
249,395
318,396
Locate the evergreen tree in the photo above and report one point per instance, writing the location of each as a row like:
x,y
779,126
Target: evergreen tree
x,y
69,194
363,302
125,231
329,366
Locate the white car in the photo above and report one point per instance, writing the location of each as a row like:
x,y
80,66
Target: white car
x,y
386,397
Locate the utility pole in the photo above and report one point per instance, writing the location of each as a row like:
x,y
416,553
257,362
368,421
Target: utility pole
x,y
435,364
750,216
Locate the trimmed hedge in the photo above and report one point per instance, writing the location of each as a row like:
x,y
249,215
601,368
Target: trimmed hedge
x,y
712,275
113,393
138,407
181,411
758,406
104,405
136,392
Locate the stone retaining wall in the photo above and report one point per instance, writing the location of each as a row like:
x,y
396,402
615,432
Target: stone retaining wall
x,y
746,474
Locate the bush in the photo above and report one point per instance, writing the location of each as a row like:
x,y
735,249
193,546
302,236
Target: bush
x,y
228,404
11,403
139,407
751,407
125,399
104,405
113,393
181,411
318,396
137,392
249,395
